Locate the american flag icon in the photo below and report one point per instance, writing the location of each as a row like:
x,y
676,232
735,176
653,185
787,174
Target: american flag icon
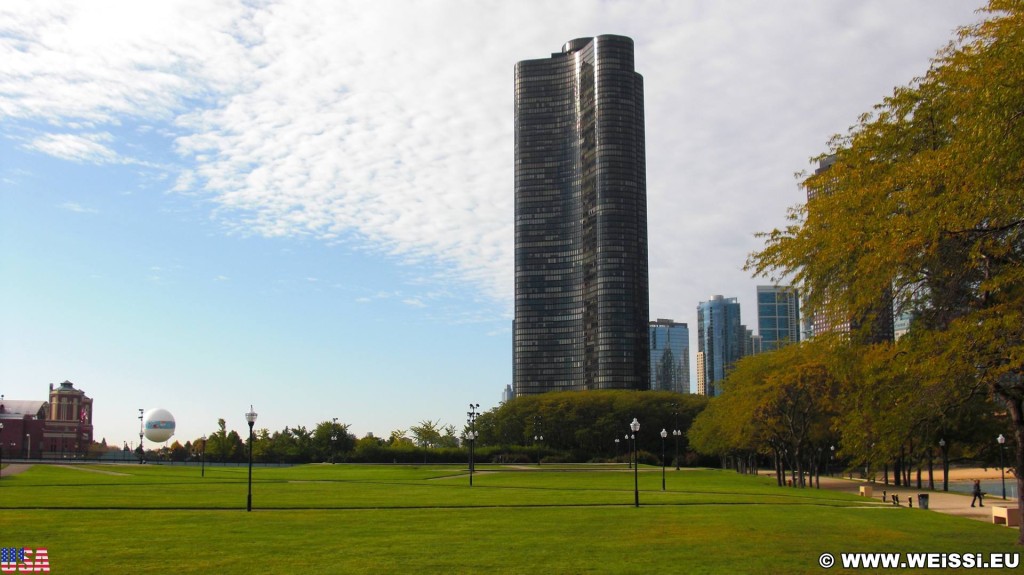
x,y
24,560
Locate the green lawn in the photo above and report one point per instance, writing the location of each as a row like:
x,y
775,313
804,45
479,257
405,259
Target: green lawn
x,y
426,519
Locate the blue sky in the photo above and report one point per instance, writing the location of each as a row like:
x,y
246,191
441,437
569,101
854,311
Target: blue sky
x,y
307,206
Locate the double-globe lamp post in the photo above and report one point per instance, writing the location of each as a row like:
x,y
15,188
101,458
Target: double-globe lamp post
x,y
251,419
635,428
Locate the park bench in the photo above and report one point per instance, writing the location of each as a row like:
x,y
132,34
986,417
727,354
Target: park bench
x,y
1008,516
866,491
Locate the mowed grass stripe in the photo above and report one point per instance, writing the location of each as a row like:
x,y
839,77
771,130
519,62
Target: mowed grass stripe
x,y
399,519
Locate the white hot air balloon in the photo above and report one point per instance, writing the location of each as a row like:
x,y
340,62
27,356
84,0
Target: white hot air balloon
x,y
159,425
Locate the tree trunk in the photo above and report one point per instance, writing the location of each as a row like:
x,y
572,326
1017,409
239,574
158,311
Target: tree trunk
x,y
931,476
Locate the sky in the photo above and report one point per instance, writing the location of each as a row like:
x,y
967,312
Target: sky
x,y
307,206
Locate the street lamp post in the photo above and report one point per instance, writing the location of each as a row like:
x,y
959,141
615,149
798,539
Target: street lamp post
x,y
1,447
1002,468
537,436
142,452
676,433
616,448
664,434
251,419
202,472
635,427
334,439
629,454
471,435
470,438
945,464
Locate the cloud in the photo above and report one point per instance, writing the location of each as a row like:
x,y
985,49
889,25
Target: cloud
x,y
88,148
364,124
78,208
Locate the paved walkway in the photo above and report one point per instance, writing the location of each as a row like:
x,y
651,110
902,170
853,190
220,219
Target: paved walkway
x,y
13,468
941,501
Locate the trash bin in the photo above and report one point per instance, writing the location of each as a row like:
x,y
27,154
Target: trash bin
x,y
922,500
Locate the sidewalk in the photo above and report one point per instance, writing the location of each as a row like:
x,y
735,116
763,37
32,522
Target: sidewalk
x,y
941,501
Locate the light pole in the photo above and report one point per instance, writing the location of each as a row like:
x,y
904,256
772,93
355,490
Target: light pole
x,y
1,447
635,427
537,436
629,454
202,472
1002,469
334,438
664,434
142,452
676,433
251,419
471,439
616,448
831,456
471,436
945,464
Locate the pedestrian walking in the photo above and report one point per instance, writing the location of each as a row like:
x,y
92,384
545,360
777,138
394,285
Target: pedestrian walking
x,y
977,495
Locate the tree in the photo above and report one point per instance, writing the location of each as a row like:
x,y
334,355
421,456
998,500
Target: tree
x,y
217,446
427,432
925,200
331,441
780,403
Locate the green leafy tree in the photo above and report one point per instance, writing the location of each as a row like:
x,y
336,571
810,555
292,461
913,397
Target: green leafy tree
x,y
331,441
924,201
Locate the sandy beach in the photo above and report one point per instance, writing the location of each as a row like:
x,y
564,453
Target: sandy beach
x,y
968,473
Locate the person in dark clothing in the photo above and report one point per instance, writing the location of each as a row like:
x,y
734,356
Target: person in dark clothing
x,y
976,492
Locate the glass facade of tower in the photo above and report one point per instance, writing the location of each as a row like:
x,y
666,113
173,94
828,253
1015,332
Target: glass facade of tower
x,y
670,356
581,283
778,316
720,338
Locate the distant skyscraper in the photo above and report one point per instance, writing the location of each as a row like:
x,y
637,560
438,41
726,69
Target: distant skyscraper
x,y
580,221
670,356
720,337
702,374
881,317
778,316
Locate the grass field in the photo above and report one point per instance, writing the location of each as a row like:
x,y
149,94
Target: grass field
x,y
426,519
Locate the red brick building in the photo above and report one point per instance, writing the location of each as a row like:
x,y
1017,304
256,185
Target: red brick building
x,y
60,428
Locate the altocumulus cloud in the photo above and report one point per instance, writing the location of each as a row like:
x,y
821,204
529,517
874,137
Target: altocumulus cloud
x,y
390,123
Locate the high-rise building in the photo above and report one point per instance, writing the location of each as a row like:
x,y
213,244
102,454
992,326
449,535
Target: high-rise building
x,y
778,316
721,338
702,374
581,287
879,319
670,356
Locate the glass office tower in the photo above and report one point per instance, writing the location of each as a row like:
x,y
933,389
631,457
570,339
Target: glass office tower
x,y
670,356
581,284
778,316
720,338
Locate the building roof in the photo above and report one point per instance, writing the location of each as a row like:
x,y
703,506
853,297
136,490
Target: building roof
x,y
19,408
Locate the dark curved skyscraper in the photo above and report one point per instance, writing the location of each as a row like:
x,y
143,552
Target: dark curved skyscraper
x,y
581,221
